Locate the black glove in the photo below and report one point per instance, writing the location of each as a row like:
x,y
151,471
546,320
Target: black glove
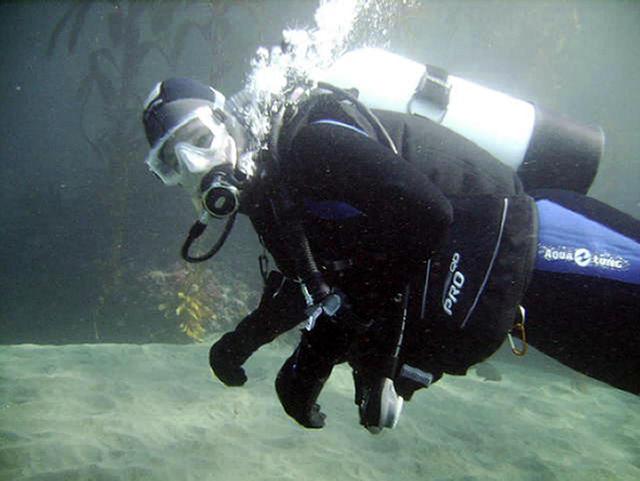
x,y
299,384
303,375
226,359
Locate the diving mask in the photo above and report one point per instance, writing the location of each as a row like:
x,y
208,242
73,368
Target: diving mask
x,y
194,147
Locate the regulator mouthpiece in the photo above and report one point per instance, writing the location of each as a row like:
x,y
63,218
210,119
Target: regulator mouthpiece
x,y
222,198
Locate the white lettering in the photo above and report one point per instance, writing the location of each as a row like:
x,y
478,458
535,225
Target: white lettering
x,y
455,288
454,262
583,257
447,305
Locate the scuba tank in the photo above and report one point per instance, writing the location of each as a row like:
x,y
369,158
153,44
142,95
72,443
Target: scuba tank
x,y
546,149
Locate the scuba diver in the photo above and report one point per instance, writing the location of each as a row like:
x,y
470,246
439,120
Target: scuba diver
x,y
408,250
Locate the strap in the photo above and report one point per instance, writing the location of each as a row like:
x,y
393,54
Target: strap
x,y
434,90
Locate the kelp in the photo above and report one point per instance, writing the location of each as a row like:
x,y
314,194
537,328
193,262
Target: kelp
x,y
133,30
76,13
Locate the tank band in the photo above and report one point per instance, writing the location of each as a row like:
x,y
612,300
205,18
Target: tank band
x,y
433,89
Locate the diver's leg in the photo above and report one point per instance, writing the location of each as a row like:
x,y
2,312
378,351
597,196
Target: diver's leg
x,y
281,309
583,302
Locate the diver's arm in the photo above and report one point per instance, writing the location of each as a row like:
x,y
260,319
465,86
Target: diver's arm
x,y
331,162
281,308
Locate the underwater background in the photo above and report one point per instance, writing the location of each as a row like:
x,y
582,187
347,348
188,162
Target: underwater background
x,y
90,263
84,223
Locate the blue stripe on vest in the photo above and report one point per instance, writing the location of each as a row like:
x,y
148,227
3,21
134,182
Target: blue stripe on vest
x,y
340,124
331,209
571,243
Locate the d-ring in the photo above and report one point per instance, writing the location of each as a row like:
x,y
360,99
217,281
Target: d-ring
x,y
519,351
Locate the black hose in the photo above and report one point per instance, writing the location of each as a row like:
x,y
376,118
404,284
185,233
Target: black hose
x,y
305,264
196,231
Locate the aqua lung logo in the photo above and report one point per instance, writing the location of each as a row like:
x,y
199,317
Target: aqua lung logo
x,y
453,285
583,257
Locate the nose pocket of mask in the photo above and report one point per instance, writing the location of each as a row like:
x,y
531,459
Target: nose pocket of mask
x,y
195,160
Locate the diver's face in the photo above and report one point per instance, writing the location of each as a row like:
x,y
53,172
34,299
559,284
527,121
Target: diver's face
x,y
198,146
196,149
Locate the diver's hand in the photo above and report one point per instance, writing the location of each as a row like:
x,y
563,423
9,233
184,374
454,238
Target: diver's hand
x,y
303,375
298,394
224,365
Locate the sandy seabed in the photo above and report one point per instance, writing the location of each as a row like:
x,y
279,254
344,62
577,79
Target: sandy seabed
x,y
154,412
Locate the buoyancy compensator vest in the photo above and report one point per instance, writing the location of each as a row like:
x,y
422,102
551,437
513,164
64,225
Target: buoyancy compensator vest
x,y
463,299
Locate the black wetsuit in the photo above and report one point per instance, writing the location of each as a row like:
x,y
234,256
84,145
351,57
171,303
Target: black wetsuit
x,y
380,223
444,220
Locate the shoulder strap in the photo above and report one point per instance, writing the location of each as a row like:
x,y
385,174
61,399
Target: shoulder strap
x,y
319,105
